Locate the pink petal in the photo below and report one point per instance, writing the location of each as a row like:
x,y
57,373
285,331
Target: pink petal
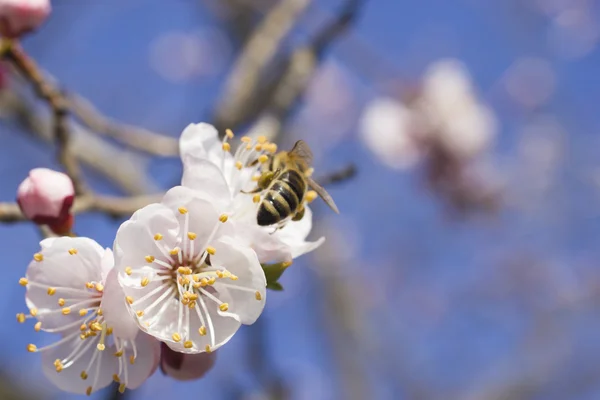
x,y
185,367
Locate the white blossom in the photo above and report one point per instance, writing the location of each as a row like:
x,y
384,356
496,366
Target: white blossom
x,y
73,291
188,281
219,177
386,128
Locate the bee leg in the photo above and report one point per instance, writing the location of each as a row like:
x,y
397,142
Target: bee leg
x,y
299,214
257,190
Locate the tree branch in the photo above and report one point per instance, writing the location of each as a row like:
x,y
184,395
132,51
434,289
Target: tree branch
x,y
13,53
112,206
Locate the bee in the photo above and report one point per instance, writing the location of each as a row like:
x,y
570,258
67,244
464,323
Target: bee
x,y
284,181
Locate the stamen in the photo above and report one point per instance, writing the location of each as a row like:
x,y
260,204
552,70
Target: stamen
x,y
246,139
202,330
84,375
263,158
145,281
209,320
261,139
66,311
61,302
226,147
88,391
211,250
158,237
99,287
224,307
83,312
122,388
38,326
51,291
257,295
21,318
72,251
128,270
223,218
229,133
23,281
129,299
38,257
191,235
188,344
238,165
33,312
207,348
256,198
182,210
116,378
149,259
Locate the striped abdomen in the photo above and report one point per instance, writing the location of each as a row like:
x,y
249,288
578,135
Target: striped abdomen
x,y
282,199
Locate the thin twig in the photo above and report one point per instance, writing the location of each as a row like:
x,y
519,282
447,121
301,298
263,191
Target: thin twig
x,y
349,171
113,206
14,53
236,104
135,137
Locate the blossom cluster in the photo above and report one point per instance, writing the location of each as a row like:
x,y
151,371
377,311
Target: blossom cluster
x,y
182,277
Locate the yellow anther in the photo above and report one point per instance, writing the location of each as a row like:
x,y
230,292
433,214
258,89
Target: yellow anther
x,y
89,285
224,307
128,270
211,250
32,348
229,133
176,337
182,210
219,273
116,378
310,196
175,251
21,318
202,331
83,327
226,147
286,264
99,287
196,278
226,274
101,347
33,312
158,236
185,301
255,178
261,139
192,305
38,257
248,147
245,139
258,147
109,331
129,299
119,353
96,327
23,281
99,312
145,281
83,375
58,365
188,344
132,359
83,312
238,165
192,235
203,282
257,295
271,147
61,302
233,277
185,281
184,270
122,388
149,259
38,326
139,313
196,285
223,218
72,251
207,348
256,198
88,391
193,296
263,158
51,291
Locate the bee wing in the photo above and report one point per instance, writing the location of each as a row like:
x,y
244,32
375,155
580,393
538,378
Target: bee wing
x,y
302,152
323,194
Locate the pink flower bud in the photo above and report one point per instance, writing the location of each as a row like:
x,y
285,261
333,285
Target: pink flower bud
x,y
21,16
46,197
185,367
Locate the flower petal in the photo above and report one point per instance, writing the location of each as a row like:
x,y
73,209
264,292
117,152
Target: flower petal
x,y
69,379
148,356
185,367
197,139
207,178
115,310
65,270
248,293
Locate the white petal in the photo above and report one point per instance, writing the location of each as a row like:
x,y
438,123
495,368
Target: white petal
x,y
207,178
115,309
61,269
148,357
244,263
197,139
69,379
107,263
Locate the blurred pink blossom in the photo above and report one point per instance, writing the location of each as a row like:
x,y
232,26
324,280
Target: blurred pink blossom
x,y
18,17
185,367
46,196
